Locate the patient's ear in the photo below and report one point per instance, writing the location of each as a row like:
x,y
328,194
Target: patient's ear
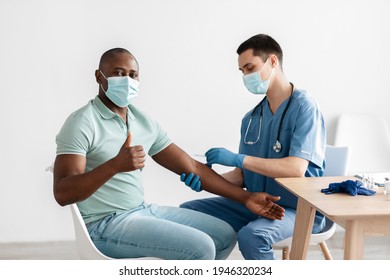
x,y
98,76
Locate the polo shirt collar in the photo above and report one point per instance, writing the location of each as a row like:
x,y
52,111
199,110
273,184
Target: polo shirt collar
x,y
106,113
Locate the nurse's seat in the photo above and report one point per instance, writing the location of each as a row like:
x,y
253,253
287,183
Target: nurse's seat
x,y
337,159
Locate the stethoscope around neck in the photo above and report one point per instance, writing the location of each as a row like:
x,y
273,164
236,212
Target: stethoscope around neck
x,y
277,146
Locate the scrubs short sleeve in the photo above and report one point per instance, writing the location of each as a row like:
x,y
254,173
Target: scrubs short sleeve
x,y
308,139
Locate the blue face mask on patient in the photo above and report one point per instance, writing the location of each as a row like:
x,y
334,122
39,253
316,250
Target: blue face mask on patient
x,y
121,89
255,84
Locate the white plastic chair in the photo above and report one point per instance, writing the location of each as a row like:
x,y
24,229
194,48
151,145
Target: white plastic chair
x,y
337,159
85,246
368,136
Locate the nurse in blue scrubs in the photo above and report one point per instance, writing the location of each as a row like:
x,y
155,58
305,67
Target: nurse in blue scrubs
x,y
282,136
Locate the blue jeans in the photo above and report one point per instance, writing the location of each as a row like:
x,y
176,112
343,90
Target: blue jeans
x,y
164,232
255,234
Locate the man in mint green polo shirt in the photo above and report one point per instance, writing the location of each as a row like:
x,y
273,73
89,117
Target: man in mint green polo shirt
x,y
101,151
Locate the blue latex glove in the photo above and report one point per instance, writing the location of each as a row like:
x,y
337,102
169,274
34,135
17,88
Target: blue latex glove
x,y
224,157
192,181
351,187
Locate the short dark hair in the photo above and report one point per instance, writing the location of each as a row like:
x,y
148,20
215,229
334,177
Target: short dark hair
x,y
111,53
262,45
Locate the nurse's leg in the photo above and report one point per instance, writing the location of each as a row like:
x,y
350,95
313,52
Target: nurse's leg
x,y
255,239
225,209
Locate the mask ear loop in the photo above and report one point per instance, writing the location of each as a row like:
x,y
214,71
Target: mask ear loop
x,y
101,85
103,74
273,69
262,68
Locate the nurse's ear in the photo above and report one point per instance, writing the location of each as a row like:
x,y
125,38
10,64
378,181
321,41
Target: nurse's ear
x,y
274,61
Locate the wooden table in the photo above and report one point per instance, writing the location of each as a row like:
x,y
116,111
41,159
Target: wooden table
x,y
358,215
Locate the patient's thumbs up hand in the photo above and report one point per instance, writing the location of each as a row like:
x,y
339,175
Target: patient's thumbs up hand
x,y
129,158
129,138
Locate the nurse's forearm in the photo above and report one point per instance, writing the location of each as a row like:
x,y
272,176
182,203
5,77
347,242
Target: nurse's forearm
x,y
276,167
235,177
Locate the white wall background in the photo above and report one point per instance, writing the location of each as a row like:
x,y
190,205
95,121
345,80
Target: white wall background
x,y
338,50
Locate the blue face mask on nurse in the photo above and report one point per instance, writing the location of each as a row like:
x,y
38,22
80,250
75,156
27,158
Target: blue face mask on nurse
x,y
254,82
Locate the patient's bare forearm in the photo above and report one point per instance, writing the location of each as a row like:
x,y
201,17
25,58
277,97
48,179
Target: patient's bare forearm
x,y
176,160
214,183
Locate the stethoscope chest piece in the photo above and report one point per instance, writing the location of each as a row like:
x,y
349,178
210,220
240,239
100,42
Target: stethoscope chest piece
x,y
277,146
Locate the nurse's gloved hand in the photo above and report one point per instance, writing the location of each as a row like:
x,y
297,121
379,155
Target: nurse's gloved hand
x,y
191,181
224,157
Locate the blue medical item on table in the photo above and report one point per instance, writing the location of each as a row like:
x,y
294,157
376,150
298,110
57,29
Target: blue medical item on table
x,y
192,181
352,187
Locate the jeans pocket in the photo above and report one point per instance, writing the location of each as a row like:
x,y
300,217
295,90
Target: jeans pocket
x,y
96,229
